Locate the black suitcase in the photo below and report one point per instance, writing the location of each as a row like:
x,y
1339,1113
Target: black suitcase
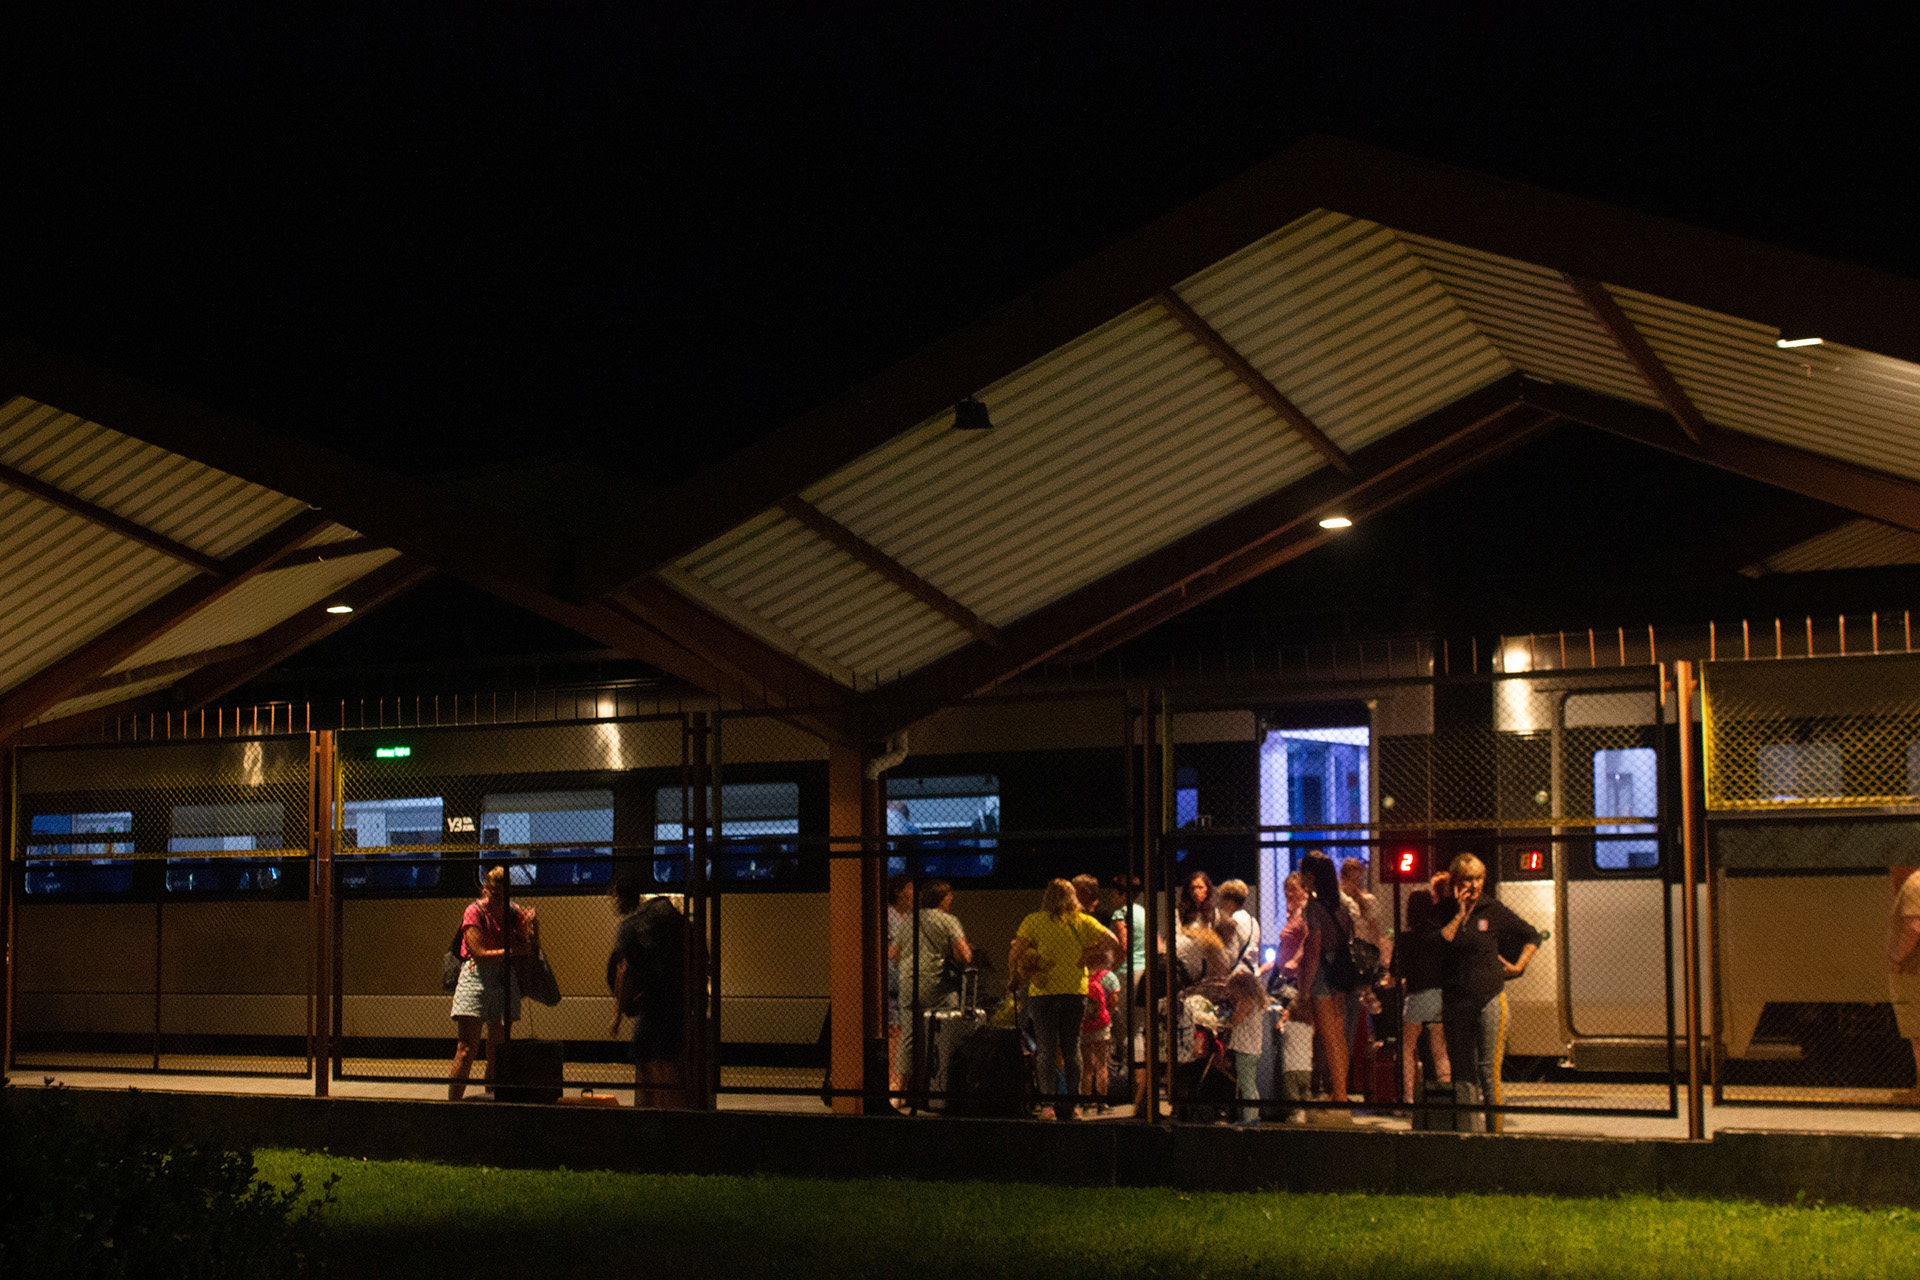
x,y
987,1075
947,1031
529,1071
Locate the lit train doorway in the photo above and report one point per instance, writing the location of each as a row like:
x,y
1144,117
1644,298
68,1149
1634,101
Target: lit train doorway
x,y
1317,778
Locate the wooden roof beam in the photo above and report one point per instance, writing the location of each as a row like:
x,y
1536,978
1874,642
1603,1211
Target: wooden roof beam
x,y
1875,494
892,570
1255,381
130,529
62,678
1634,347
329,551
1521,426
1237,546
263,653
171,666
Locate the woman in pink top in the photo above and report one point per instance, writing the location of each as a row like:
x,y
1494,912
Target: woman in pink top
x,y
489,988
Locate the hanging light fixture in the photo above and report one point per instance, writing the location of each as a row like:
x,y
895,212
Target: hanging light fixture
x,y
339,608
1336,522
971,415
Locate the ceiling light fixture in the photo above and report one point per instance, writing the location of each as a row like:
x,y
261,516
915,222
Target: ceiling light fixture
x,y
1336,522
971,415
1787,344
339,608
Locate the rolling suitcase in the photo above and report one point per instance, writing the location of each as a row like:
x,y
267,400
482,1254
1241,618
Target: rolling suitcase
x,y
988,1075
529,1071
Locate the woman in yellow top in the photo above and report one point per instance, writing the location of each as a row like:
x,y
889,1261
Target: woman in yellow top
x,y
1053,950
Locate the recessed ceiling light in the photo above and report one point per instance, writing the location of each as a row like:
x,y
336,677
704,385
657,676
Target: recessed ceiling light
x,y
1336,522
339,608
1789,343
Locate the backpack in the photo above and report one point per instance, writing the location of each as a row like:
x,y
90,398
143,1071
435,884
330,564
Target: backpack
x,y
1353,963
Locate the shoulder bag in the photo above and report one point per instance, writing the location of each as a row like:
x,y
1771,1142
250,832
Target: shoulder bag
x,y
451,962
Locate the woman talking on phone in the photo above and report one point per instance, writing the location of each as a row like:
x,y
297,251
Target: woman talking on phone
x,y
1479,934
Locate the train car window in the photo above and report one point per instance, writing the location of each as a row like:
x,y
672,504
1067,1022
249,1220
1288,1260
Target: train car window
x,y
390,826
99,873
750,814
1186,797
226,829
569,834
1800,770
954,812
1625,785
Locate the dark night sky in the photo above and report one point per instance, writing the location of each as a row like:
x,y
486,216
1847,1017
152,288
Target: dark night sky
x,y
447,238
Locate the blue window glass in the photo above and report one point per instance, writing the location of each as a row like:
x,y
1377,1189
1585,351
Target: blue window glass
x,y
567,834
98,872
752,817
396,829
940,814
226,829
1625,785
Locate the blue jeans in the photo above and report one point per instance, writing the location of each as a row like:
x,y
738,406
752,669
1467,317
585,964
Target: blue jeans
x,y
1056,1032
1246,1079
1474,1034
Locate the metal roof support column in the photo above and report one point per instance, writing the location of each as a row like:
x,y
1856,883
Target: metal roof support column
x,y
846,957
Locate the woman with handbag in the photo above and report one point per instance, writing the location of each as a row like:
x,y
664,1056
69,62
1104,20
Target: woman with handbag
x,y
1327,973
488,990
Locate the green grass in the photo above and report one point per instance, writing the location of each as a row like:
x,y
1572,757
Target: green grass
x,y
395,1219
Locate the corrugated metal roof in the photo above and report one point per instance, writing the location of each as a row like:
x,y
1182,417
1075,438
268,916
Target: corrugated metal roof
x,y
1348,324
65,580
108,697
1535,318
186,501
1108,449
262,601
1857,544
1832,399
823,599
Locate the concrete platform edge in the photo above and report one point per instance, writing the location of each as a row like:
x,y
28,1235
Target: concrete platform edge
x,y
1842,1168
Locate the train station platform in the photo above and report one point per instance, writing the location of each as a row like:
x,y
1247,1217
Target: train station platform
x,y
1845,1155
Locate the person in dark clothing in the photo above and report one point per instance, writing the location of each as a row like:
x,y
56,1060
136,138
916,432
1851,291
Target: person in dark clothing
x,y
1487,946
1419,962
647,973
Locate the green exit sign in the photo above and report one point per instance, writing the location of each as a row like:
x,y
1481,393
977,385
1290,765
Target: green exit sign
x,y
392,753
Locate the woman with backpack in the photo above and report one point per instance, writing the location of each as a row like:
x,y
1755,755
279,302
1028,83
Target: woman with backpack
x,y
1326,973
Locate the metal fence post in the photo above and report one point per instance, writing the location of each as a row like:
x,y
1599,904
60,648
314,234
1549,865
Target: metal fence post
x,y
1162,822
1689,856
713,884
11,884
320,784
698,1038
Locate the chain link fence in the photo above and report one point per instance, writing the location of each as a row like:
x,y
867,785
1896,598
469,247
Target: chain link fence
x,y
803,888
1812,778
162,897
1555,781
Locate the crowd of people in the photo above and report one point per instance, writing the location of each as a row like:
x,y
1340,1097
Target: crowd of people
x,y
1250,1027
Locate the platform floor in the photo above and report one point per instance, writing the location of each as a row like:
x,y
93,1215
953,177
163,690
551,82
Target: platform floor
x,y
1863,1111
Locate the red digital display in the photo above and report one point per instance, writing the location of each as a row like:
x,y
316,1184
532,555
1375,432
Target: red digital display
x,y
1532,860
1403,866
